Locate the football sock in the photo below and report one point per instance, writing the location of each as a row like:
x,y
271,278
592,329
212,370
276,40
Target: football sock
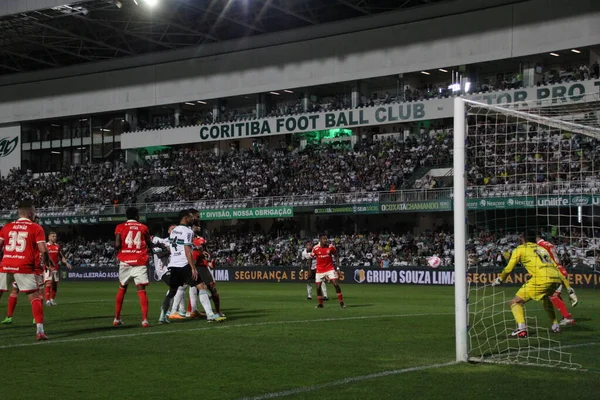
x,y
205,301
38,311
54,289
561,306
143,303
178,299
119,302
166,305
319,293
340,297
189,306
549,310
518,313
194,298
48,291
12,303
309,290
324,289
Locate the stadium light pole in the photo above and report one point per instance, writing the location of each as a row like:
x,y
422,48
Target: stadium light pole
x,y
460,232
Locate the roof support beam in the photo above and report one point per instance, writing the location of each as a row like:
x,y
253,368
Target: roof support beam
x,y
292,13
55,48
232,20
25,56
354,7
61,31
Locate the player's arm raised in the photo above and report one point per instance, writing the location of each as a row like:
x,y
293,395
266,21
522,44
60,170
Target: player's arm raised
x,y
515,257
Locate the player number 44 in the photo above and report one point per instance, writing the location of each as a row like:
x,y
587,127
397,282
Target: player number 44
x,y
132,241
17,241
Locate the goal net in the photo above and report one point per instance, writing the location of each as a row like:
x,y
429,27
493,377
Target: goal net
x,y
528,167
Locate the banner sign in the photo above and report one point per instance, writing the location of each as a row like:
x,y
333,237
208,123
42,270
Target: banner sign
x,y
247,213
417,206
370,208
366,116
10,149
503,203
84,220
91,274
582,277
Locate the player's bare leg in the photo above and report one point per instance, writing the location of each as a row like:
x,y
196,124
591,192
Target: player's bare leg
x,y
216,298
141,291
319,295
338,291
119,305
516,307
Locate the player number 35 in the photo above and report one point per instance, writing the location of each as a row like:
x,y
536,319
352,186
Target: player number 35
x,y
17,241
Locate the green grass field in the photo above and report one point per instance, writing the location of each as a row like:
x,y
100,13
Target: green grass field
x,y
276,341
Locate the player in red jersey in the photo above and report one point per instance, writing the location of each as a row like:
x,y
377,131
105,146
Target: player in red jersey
x,y
132,243
324,253
556,299
51,275
24,244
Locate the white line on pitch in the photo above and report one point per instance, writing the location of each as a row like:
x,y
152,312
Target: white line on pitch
x,y
219,326
312,388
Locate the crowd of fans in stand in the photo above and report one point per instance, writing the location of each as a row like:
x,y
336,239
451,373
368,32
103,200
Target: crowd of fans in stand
x,y
516,153
75,185
365,250
372,166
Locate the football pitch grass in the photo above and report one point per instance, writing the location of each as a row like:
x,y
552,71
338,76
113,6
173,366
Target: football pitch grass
x,y
391,342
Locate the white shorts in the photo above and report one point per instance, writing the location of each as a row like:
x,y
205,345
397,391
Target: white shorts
x,y
51,276
330,275
139,274
25,282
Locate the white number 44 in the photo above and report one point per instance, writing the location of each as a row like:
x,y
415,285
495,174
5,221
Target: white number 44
x,y
136,241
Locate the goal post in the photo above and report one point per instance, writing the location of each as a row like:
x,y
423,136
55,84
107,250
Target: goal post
x,y
520,168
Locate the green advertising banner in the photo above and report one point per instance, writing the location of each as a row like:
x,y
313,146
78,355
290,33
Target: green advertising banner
x,y
247,213
504,203
369,208
417,206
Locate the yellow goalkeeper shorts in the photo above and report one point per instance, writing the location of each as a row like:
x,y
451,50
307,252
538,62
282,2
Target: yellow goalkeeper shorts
x,y
533,291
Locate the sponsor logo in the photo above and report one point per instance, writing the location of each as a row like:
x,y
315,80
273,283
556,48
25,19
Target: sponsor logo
x,y
359,275
8,145
580,201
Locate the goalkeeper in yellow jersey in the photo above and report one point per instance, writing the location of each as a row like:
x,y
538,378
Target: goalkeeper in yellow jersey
x,y
545,279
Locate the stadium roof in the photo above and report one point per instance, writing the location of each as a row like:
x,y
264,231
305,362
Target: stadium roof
x,y
97,30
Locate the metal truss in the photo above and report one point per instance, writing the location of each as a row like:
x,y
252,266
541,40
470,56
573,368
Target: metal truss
x,y
94,30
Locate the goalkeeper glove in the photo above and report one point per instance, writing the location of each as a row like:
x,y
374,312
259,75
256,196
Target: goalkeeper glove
x,y
573,297
497,282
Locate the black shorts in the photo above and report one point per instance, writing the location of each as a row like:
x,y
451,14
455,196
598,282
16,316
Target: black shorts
x,y
205,275
166,278
182,276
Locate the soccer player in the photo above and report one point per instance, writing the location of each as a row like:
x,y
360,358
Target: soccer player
x,y
51,275
161,263
311,264
182,267
556,296
324,253
132,243
24,244
545,279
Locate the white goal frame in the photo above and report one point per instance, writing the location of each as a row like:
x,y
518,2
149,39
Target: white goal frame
x,y
461,295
